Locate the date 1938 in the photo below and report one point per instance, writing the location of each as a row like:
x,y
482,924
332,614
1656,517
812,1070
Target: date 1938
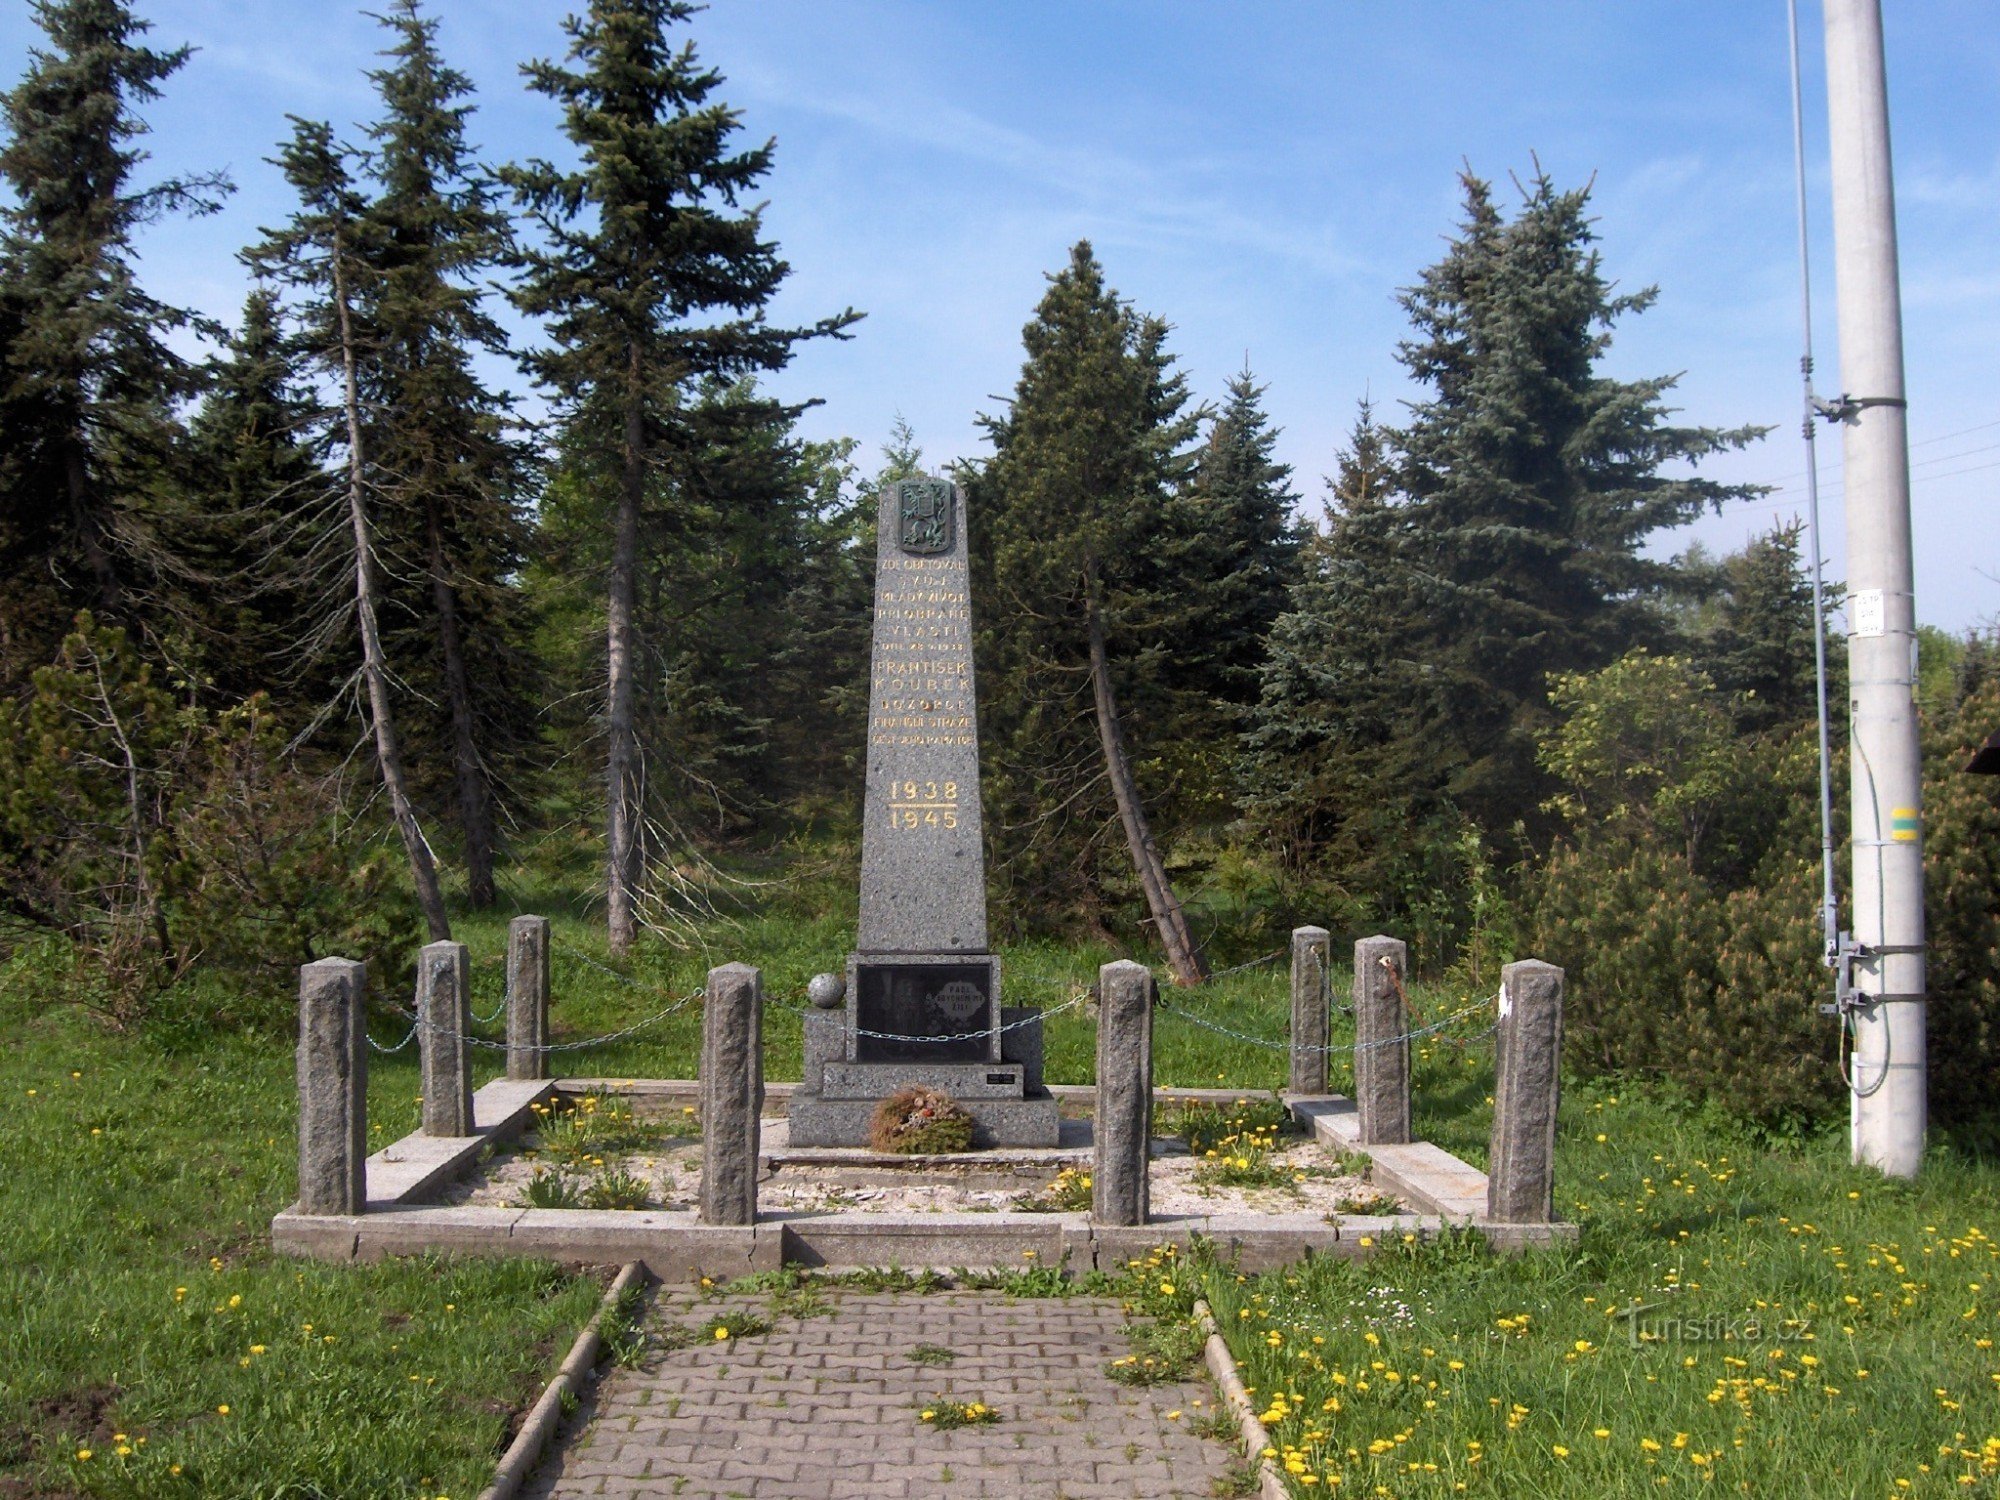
x,y
923,804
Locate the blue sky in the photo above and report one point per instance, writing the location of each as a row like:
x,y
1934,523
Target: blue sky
x,y
1263,175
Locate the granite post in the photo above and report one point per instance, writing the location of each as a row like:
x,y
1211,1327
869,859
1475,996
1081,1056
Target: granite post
x,y
1310,949
444,1020
1381,1041
732,1093
528,997
1520,1170
1119,1184
333,1088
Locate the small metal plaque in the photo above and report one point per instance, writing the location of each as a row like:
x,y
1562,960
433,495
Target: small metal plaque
x,y
926,527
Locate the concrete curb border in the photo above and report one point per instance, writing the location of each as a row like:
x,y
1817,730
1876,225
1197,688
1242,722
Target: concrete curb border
x,y
1255,1439
519,1461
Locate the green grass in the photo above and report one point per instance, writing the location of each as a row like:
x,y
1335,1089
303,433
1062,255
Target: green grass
x,y
1453,1372
139,1295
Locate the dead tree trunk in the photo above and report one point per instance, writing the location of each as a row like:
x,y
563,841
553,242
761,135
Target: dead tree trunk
x,y
475,803
374,674
1168,918
621,780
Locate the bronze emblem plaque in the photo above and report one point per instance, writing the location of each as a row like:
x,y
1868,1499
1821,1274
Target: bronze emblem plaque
x,y
926,516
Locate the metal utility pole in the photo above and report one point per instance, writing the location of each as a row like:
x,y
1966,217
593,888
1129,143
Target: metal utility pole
x,y
1883,1000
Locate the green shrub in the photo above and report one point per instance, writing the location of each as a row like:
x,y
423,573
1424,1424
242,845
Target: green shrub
x,y
157,838
1962,903
1693,943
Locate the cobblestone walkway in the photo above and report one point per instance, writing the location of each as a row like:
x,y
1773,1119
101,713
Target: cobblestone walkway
x,y
828,1406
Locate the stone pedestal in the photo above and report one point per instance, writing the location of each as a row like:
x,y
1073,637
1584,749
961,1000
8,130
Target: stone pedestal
x,y
1381,1041
1310,1021
1527,1053
528,998
333,1088
444,1020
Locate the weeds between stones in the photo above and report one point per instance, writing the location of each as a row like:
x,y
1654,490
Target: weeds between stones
x,y
931,1354
577,1133
946,1413
738,1324
549,1188
1162,1354
1367,1205
1202,1125
1068,1194
618,1189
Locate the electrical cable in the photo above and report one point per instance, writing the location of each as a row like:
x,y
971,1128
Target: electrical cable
x,y
1829,899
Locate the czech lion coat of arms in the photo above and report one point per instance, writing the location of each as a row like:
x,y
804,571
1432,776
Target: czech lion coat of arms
x,y
926,517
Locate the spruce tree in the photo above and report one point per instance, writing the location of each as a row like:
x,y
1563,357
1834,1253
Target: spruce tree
x,y
88,380
454,479
1231,558
1071,614
255,482
645,238
1510,547
1761,649
1245,540
325,256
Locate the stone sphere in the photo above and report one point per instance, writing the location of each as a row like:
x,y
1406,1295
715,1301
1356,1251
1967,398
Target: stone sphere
x,y
827,990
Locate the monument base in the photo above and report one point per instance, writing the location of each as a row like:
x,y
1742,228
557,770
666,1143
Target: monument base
x,y
1007,1101
1031,1121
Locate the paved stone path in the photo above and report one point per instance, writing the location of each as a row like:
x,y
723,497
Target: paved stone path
x,y
828,1406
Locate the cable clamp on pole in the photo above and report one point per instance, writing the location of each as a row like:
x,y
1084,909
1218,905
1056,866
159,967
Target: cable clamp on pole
x,y
1848,409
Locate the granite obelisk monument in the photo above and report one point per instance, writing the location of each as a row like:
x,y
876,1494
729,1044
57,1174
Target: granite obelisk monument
x,y
922,997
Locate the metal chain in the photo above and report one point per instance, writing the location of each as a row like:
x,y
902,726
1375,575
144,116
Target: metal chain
x,y
407,1038
1272,957
972,1036
595,1041
1390,1041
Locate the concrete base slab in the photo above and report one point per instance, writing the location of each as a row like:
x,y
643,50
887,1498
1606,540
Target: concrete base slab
x,y
876,1081
1428,1177
419,1164
1073,1144
819,1121
917,1240
678,1248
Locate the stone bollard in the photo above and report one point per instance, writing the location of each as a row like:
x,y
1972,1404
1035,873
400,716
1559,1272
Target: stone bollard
x,y
1520,1170
333,1088
528,997
732,1093
1310,948
1381,1064
444,1020
1119,1186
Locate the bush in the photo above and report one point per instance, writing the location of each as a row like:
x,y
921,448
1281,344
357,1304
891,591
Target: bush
x,y
1710,973
156,836
1962,905
919,1121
